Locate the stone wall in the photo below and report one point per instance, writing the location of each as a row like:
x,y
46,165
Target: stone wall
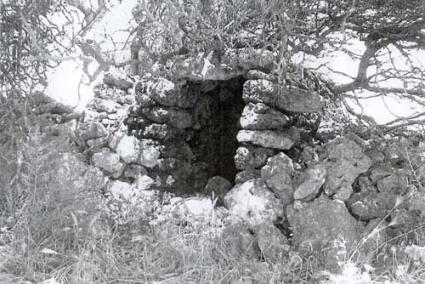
x,y
273,153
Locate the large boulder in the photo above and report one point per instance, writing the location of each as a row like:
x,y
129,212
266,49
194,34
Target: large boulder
x,y
277,174
272,243
167,93
254,203
345,161
320,227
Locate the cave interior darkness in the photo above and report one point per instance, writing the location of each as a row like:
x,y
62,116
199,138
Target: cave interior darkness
x,y
217,115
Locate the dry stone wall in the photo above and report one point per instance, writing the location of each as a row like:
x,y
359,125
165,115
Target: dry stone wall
x,y
271,153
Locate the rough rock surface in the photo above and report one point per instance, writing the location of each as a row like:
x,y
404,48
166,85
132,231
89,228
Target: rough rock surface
x,y
248,157
267,138
272,243
254,203
261,117
133,150
277,174
320,225
129,149
108,161
310,182
218,186
345,162
294,99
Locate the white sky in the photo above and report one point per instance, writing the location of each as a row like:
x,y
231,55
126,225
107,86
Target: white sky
x,y
68,82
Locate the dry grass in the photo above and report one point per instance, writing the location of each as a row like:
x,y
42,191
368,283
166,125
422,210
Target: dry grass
x,y
52,228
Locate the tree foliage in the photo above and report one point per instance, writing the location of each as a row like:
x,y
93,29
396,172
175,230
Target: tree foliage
x,y
391,34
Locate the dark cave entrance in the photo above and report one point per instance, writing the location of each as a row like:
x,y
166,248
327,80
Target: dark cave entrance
x,y
217,115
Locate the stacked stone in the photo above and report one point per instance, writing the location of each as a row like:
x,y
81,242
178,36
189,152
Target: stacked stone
x,y
165,116
104,135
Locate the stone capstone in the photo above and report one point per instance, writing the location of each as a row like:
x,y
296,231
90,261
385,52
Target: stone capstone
x,y
254,203
277,174
292,99
345,161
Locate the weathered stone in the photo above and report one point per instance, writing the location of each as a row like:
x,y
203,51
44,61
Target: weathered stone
x,y
277,174
162,132
144,100
248,58
380,171
257,74
272,243
118,83
167,93
143,182
78,174
319,226
247,175
218,186
251,157
133,171
254,203
108,122
240,243
117,136
345,162
194,208
177,117
92,130
105,105
129,149
396,183
108,161
97,143
261,117
311,182
267,138
282,98
150,152
308,155
369,205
